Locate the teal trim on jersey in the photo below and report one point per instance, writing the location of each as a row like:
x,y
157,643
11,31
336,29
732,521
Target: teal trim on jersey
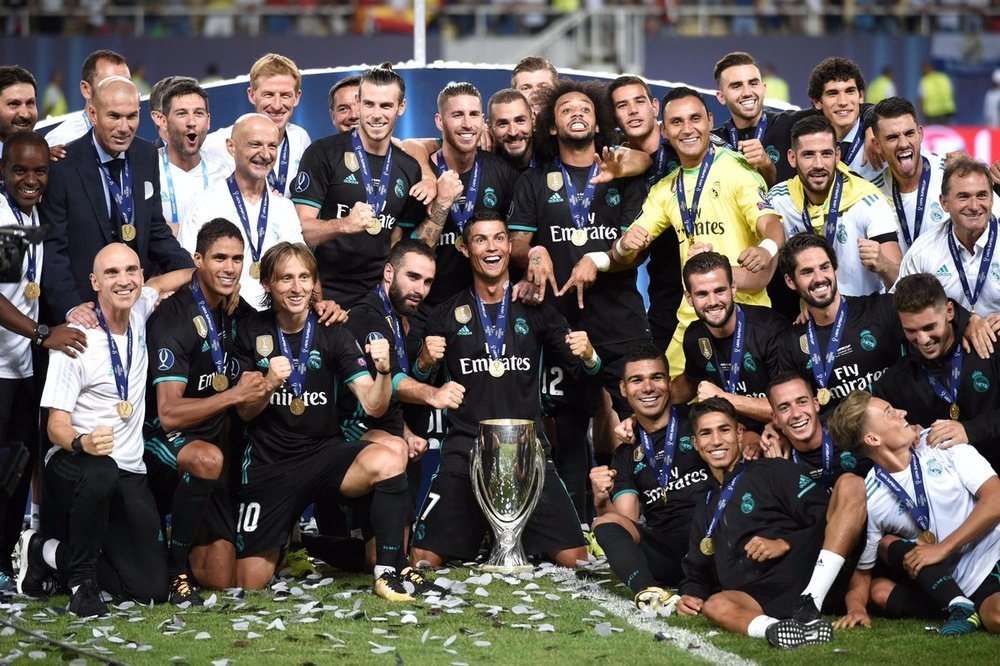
x,y
172,378
597,366
627,491
518,227
363,373
806,489
407,225
246,462
306,202
396,379
422,376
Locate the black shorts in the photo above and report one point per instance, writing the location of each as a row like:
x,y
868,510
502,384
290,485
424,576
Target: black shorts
x,y
451,524
219,519
272,502
920,604
663,552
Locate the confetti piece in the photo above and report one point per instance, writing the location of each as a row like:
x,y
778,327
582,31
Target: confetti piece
x,y
277,624
482,644
603,629
202,636
546,628
252,635
451,639
408,619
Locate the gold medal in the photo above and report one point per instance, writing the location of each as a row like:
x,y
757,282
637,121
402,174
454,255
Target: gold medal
x,y
124,408
496,368
255,270
220,382
374,227
954,412
297,407
128,232
32,290
824,395
459,242
579,237
707,547
926,536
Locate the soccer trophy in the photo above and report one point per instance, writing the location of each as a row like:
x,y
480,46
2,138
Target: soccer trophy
x,y
508,470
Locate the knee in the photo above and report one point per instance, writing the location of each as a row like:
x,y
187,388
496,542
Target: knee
x,y
98,476
570,557
385,460
715,607
989,612
253,580
426,558
880,591
850,491
201,459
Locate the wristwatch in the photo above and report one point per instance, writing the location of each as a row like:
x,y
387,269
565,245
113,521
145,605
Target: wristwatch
x,y
42,333
77,444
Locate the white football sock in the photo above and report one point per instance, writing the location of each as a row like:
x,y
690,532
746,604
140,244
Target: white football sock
x,y
758,626
828,565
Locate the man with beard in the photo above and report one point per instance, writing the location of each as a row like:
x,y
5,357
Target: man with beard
x,y
353,193
659,477
938,383
18,110
99,65
915,176
344,103
184,171
275,91
266,219
847,342
734,218
493,346
636,111
511,122
961,253
731,350
826,198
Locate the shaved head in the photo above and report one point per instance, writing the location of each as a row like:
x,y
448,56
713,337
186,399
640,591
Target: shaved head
x,y
253,122
112,253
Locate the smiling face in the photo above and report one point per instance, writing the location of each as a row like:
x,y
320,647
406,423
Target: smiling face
x,y
815,279
841,103
718,440
968,203
410,284
796,412
743,91
275,97
117,278
815,157
575,120
646,387
898,141
187,123
635,112
17,109
930,331
461,122
114,112
712,296
381,107
26,173
488,249
886,427
512,125
345,111
254,147
291,287
219,268
687,123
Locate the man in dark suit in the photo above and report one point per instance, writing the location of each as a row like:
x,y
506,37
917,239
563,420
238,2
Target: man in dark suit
x,y
106,190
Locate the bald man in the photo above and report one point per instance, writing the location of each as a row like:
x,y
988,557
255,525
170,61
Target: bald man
x,y
246,199
100,529
99,65
106,190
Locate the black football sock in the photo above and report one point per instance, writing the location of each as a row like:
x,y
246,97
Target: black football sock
x,y
571,454
344,553
624,556
934,580
390,507
190,499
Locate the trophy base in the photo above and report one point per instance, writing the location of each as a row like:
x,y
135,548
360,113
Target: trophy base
x,y
507,569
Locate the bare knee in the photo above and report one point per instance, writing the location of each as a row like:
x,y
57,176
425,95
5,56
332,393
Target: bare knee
x,y
201,459
569,557
254,573
989,612
384,460
426,558
880,591
214,564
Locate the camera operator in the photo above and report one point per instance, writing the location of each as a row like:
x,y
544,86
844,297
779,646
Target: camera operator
x,y
24,165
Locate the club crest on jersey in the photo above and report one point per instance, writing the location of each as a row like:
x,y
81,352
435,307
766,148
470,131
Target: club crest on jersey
x,y
264,345
934,468
200,326
705,346
980,382
685,442
554,179
772,153
351,161
847,461
747,504
841,234
613,197
400,188
521,326
749,363
715,190
868,341
463,314
165,358
637,454
490,198
315,361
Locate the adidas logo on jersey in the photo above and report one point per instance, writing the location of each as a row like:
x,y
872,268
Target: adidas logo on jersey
x,y
555,198
464,331
204,346
943,271
351,180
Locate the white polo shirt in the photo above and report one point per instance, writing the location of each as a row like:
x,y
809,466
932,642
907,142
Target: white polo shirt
x,y
297,138
179,188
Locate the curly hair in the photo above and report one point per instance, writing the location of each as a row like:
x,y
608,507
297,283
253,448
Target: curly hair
x,y
545,141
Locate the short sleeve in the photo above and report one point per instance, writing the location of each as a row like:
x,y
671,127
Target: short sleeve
x,y
64,381
653,216
624,479
751,196
168,352
523,212
881,217
310,189
347,354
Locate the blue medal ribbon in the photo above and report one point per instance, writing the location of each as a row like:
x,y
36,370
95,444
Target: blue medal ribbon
x,y
174,216
121,194
833,212
720,506
214,344
669,450
120,371
256,249
735,356
950,393
495,331
21,220
734,137
277,182
984,262
822,365
397,330
579,204
918,508
826,448
376,196
856,144
461,214
918,214
656,172
688,214
297,379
